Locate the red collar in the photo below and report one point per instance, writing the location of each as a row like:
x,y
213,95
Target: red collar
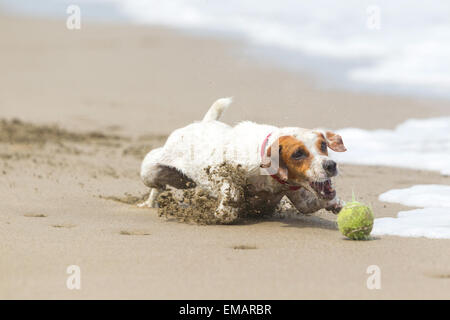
x,y
274,176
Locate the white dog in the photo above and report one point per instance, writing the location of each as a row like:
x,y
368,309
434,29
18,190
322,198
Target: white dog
x,y
278,162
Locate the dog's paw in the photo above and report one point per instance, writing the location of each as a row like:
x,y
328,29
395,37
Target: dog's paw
x,y
148,204
335,206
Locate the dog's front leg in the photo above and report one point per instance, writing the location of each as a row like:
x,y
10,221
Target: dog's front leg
x,y
335,205
306,202
230,197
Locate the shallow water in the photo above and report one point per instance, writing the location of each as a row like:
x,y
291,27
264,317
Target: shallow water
x,y
420,144
433,221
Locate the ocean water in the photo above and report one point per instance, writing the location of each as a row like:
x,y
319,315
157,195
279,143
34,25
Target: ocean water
x,y
395,47
432,221
421,144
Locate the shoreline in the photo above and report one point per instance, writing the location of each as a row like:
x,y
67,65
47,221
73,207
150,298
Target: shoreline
x,y
204,67
132,86
338,59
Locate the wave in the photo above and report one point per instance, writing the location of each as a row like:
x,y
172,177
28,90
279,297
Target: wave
x,y
405,48
394,46
421,144
433,221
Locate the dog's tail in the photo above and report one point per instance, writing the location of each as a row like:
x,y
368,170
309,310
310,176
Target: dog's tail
x,y
217,109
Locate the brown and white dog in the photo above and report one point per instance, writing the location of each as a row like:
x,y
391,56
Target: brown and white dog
x,y
277,162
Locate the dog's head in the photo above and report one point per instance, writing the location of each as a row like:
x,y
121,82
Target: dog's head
x,y
303,159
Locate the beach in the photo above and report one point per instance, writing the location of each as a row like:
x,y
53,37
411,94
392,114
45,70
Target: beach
x,y
80,109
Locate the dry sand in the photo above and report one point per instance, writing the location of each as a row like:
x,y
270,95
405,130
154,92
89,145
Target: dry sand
x,y
114,92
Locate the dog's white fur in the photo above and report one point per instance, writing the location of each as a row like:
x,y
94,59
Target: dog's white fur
x,y
210,142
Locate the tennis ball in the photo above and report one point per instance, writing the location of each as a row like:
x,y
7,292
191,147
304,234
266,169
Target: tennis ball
x,y
355,221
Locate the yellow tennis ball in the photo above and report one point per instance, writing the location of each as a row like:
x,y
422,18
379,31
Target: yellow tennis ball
x,y
355,221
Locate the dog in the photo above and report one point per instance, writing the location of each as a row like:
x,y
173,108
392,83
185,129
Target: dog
x,y
277,162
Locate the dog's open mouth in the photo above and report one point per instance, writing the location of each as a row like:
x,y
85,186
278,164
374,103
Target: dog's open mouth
x,y
324,189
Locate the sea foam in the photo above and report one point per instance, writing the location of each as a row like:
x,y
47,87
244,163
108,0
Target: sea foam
x,y
433,221
415,144
396,46
400,45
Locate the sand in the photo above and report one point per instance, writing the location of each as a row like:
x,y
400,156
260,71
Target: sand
x,y
89,104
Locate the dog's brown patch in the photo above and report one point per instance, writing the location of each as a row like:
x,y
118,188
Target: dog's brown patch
x,y
296,168
320,143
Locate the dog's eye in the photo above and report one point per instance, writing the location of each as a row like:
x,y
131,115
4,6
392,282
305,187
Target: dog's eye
x,y
299,154
323,146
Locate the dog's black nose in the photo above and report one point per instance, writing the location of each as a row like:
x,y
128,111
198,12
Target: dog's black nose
x,y
330,167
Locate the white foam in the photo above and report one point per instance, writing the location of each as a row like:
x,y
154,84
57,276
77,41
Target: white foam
x,y
410,49
433,221
408,53
422,195
415,144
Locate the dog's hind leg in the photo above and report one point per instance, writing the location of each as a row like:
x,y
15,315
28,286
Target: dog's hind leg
x,y
160,176
151,200
157,176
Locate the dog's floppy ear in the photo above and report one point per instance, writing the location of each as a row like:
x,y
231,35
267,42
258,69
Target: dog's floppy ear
x,y
334,142
282,171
